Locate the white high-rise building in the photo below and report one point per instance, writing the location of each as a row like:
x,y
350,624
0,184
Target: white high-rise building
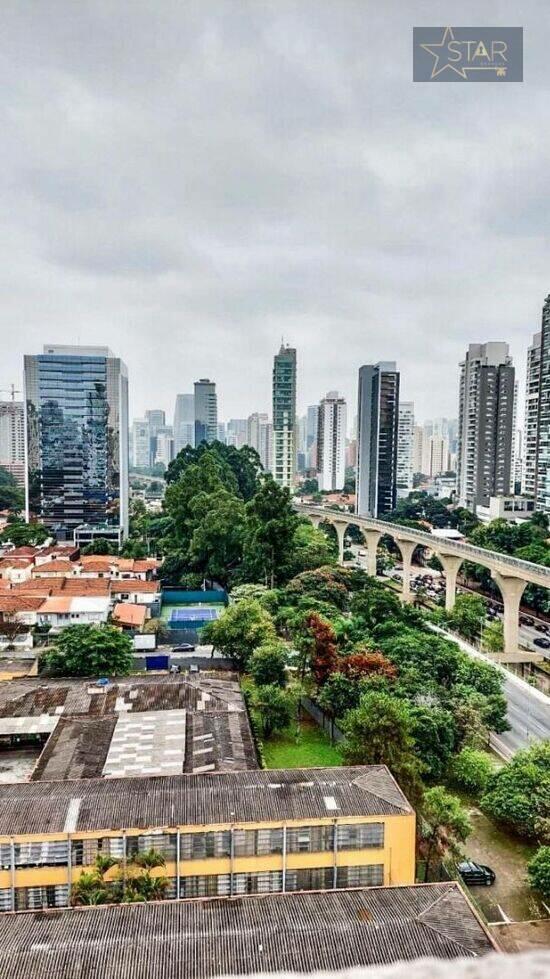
x,y
531,419
236,432
12,439
331,442
435,456
184,422
405,446
418,448
141,444
485,423
260,437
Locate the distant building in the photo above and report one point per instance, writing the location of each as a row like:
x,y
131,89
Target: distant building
x,y
12,439
76,402
377,427
331,442
164,446
418,449
206,411
260,437
486,411
284,416
222,432
184,422
515,509
141,444
405,445
236,432
531,418
311,436
435,456
543,443
156,419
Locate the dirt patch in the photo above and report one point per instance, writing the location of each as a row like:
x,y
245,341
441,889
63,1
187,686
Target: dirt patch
x,y
522,936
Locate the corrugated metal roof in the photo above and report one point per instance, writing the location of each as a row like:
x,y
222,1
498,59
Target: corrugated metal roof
x,y
306,932
193,800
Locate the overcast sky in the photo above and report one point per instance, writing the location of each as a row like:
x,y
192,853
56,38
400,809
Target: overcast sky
x,y
191,181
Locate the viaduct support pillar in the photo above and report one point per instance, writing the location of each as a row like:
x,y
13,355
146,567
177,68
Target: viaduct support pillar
x,y
340,529
407,548
451,566
511,590
372,538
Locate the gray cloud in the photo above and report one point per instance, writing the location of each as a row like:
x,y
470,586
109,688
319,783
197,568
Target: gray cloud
x,y
190,182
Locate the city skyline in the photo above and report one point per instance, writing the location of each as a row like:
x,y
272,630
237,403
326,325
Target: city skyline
x,y
183,215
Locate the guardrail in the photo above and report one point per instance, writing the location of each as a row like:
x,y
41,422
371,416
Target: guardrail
x,y
525,569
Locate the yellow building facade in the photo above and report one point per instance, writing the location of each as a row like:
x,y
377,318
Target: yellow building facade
x,y
314,829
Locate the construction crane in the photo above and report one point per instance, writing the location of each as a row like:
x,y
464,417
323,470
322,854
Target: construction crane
x,y
12,391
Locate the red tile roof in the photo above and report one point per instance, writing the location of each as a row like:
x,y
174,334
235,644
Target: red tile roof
x,y
135,585
129,615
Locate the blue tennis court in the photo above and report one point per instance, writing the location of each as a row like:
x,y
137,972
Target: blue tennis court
x,y
194,613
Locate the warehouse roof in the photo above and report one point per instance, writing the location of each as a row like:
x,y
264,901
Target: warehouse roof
x,y
304,932
205,799
49,695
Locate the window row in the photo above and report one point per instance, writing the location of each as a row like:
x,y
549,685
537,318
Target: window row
x,y
197,846
217,885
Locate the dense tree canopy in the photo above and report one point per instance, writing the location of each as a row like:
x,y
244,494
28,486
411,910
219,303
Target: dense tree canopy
x,y
23,534
518,795
90,650
12,496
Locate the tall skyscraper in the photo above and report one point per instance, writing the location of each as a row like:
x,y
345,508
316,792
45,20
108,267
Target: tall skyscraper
x,y
543,440
76,403
418,448
311,436
206,411
259,436
377,425
12,439
331,442
531,419
221,432
435,456
284,416
164,446
237,430
156,418
184,422
405,445
141,444
485,420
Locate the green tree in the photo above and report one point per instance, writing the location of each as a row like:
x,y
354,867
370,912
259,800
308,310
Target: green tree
x,y
90,650
273,708
538,871
99,546
243,463
216,545
240,592
444,825
267,665
493,637
271,526
379,732
327,585
311,548
518,795
240,630
339,695
467,616
12,496
434,734
471,770
22,534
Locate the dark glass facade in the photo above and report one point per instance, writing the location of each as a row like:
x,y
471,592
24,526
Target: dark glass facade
x,y
77,438
377,430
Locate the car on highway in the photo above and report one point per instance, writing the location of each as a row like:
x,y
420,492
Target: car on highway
x,y
542,643
541,627
476,873
184,647
527,620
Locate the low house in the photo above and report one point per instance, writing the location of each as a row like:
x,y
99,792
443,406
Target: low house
x,y
129,616
58,568
21,609
136,591
59,611
16,569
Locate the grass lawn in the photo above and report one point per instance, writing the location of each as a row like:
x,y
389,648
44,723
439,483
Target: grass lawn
x,y
311,749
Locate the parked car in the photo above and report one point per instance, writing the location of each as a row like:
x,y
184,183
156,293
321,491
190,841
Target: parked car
x,y
476,873
184,647
542,643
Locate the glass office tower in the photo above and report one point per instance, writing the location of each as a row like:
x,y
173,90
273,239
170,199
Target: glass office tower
x,y
377,429
76,424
